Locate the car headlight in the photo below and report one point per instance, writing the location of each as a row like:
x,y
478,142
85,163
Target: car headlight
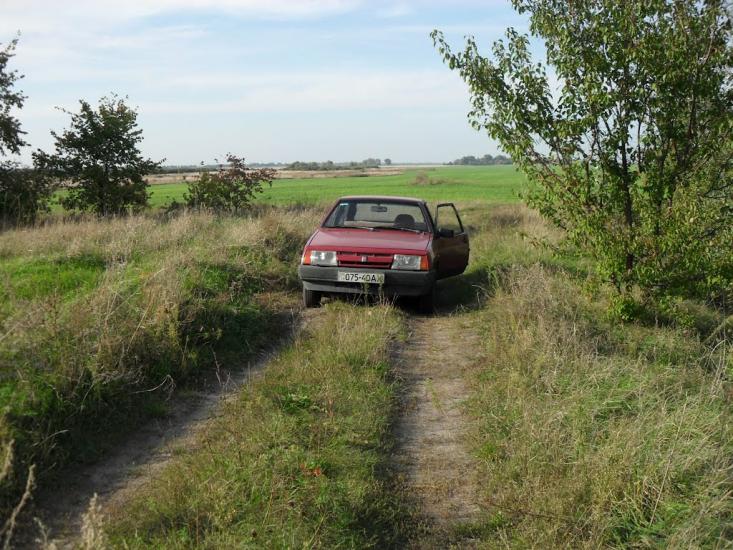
x,y
406,261
323,257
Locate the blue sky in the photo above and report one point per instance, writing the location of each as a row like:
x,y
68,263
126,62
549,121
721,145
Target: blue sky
x,y
276,80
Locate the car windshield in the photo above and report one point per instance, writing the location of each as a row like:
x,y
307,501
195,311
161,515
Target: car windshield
x,y
377,214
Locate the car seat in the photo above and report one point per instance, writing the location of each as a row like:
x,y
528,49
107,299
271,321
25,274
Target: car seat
x,y
404,220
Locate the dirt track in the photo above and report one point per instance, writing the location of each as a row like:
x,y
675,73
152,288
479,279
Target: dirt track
x,y
432,457
139,457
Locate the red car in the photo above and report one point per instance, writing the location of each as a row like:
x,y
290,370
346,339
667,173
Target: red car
x,y
383,245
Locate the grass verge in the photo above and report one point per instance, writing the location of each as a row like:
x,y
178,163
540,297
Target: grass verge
x,y
100,319
296,460
591,433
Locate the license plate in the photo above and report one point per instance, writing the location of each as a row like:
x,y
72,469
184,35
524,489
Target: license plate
x,y
360,277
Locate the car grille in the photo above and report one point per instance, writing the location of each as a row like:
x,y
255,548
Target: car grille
x,y
357,259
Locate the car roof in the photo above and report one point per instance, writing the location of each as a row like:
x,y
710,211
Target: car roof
x,y
384,198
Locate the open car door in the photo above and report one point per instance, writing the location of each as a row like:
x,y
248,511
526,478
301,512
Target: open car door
x,y
451,241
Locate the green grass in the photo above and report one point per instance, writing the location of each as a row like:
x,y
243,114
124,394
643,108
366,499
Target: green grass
x,y
497,184
587,433
34,277
294,462
96,312
591,433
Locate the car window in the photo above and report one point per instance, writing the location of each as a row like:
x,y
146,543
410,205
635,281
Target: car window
x,y
377,214
447,218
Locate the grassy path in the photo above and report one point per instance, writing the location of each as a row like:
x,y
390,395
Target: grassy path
x,y
101,319
148,450
295,459
429,457
432,453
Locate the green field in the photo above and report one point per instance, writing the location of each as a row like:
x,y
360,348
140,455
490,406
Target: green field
x,y
497,184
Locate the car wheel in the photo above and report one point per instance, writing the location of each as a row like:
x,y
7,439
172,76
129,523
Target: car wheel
x,y
311,298
426,302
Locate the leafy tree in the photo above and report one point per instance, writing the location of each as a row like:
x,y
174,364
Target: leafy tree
x,y
99,160
10,132
229,189
23,194
388,162
632,155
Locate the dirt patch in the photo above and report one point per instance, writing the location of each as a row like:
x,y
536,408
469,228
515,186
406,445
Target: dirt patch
x,y
431,459
158,179
138,458
312,174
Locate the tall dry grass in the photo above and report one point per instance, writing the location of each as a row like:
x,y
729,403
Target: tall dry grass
x,y
101,319
591,433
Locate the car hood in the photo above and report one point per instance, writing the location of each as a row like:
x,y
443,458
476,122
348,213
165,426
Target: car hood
x,y
361,240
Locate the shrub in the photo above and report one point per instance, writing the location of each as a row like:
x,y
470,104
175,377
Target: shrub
x,y
229,189
421,179
24,194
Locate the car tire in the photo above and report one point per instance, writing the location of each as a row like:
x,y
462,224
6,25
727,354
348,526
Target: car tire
x,y
311,298
426,302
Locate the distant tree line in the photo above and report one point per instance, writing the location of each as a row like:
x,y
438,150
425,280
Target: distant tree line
x,y
196,168
185,168
486,160
330,165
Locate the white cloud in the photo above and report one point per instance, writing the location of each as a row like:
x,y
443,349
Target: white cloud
x,y
313,92
324,114
326,91
30,16
400,9
147,39
178,59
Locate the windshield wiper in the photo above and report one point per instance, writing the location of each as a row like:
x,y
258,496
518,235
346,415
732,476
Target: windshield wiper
x,y
404,229
351,227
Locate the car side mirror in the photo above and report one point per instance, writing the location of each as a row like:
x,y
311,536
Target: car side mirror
x,y
446,233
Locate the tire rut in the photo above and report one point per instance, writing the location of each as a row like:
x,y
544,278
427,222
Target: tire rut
x,y
431,458
139,457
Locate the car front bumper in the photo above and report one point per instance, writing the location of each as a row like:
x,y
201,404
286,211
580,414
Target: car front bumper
x,y
396,283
